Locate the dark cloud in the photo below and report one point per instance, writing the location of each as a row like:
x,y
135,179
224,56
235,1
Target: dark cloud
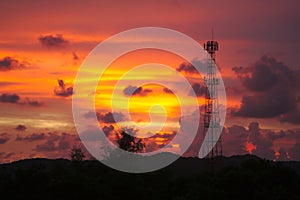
x,y
235,129
32,137
108,129
136,91
294,153
90,135
63,89
57,142
266,105
16,99
56,41
75,56
9,98
130,90
9,63
266,143
3,138
187,68
191,68
21,127
233,90
199,90
264,74
239,140
274,90
110,117
158,140
262,141
234,139
257,78
292,117
50,145
33,102
167,91
90,114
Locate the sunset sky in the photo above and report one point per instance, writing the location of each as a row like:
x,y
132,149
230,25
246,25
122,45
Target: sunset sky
x,y
43,44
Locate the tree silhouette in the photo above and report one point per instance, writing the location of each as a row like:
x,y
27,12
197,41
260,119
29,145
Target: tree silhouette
x,y
128,142
77,154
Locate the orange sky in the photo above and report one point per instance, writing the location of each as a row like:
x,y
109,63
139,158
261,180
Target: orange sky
x,y
245,31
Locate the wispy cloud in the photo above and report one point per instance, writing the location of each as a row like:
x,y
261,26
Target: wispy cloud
x,y
8,63
16,99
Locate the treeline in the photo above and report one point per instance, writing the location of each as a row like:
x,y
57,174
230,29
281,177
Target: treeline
x,y
63,179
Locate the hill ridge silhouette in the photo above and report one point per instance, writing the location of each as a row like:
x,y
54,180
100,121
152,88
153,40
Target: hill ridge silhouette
x,y
235,177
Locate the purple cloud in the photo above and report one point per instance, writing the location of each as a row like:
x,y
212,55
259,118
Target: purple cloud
x,y
53,41
63,90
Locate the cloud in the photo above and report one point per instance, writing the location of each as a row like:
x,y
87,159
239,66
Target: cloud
x,y
136,91
91,134
3,138
21,127
53,41
238,140
6,157
294,153
9,63
32,137
234,139
167,91
187,68
264,143
261,141
75,56
199,90
292,117
108,129
9,98
264,74
57,142
157,141
49,145
110,117
32,102
58,145
266,105
16,99
90,114
274,90
63,89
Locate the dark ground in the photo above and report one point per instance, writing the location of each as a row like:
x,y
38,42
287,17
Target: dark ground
x,y
237,177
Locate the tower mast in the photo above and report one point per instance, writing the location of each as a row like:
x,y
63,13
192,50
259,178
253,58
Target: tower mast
x,y
211,109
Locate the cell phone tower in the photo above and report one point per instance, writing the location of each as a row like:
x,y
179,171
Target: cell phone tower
x,y
211,109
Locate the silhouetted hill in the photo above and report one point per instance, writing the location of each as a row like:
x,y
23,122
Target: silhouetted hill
x,y
236,177
186,166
